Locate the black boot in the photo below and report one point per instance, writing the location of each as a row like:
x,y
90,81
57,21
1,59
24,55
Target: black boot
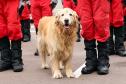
x,y
16,56
119,41
103,58
26,38
5,54
91,57
124,28
26,30
111,42
36,53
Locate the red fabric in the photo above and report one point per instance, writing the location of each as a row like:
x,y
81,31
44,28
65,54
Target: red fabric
x,y
40,8
9,20
116,14
25,13
95,19
69,4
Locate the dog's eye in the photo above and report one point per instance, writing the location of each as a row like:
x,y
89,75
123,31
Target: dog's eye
x,y
62,15
70,14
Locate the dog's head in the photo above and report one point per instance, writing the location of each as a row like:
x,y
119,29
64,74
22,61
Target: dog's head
x,y
67,18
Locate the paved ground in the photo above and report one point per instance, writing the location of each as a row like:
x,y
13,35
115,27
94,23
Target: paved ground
x,y
33,74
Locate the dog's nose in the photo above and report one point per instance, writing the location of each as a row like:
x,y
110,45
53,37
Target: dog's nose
x,y
66,21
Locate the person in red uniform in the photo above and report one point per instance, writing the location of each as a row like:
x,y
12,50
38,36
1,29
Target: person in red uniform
x,y
124,11
95,28
73,5
10,36
39,9
24,13
116,46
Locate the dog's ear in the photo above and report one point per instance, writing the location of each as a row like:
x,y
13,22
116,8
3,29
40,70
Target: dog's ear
x,y
57,16
75,15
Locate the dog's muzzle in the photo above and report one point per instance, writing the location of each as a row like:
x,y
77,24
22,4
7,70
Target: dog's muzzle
x,y
66,23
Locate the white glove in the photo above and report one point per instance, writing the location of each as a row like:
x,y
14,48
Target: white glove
x,y
53,3
21,3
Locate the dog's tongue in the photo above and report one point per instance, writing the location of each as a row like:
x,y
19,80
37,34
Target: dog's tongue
x,y
66,26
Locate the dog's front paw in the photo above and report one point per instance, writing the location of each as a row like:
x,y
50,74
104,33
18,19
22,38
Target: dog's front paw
x,y
57,75
70,75
45,66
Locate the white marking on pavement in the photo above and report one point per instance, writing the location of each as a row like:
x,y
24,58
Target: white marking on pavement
x,y
77,73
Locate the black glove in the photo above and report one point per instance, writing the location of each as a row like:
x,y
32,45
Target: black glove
x,y
53,3
20,10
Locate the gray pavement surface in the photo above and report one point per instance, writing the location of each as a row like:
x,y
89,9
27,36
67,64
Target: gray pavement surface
x,y
33,74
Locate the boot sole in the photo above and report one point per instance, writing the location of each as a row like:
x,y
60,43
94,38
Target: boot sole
x,y
102,73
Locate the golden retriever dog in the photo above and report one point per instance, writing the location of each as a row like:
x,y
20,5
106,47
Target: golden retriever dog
x,y
56,37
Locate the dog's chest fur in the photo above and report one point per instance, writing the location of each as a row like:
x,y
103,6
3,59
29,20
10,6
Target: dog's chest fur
x,y
65,43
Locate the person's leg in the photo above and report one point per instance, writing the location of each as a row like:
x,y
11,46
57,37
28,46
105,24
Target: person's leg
x,y
27,35
91,57
119,41
22,28
36,15
102,33
88,34
16,51
5,54
103,58
124,28
15,34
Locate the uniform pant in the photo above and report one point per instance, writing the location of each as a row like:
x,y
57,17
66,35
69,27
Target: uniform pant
x,y
95,19
9,20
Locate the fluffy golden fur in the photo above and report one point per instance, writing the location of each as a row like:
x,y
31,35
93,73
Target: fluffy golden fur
x,y
56,37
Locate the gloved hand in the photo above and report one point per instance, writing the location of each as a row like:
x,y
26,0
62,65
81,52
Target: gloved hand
x,y
53,3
